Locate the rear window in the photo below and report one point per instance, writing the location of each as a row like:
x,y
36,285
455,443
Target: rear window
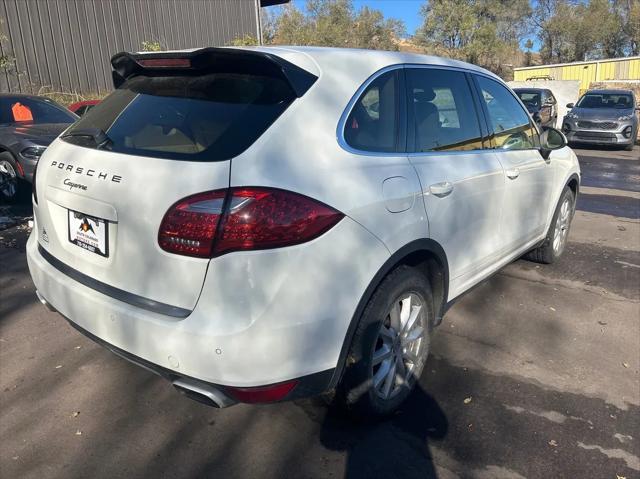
x,y
210,117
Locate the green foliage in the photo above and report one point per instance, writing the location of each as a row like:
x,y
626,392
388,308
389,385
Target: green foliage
x,y
333,23
6,61
484,32
575,31
151,46
245,41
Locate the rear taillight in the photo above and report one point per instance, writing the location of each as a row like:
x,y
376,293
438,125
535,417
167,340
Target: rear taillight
x,y
189,227
213,223
33,183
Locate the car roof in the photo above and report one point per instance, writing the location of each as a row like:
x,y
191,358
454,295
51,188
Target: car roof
x,y
318,59
531,90
20,95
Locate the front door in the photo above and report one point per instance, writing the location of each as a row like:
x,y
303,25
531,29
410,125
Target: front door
x,y
528,176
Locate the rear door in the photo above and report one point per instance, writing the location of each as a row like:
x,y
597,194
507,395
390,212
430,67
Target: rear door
x,y
463,184
104,187
528,176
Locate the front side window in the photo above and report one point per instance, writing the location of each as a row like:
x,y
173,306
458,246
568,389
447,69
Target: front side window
x,y
510,123
373,122
442,110
27,110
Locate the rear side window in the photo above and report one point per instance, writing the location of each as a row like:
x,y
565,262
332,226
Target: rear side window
x,y
510,123
373,123
209,117
442,107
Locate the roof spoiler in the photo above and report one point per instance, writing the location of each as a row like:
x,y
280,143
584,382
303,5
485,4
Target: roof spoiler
x,y
210,60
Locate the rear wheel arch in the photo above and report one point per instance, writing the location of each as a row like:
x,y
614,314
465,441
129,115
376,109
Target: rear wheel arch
x,y
424,254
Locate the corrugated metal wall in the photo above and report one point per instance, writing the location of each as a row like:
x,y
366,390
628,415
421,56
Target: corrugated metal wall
x,y
65,45
585,72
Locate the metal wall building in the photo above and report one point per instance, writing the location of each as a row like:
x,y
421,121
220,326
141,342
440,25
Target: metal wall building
x,y
66,45
586,72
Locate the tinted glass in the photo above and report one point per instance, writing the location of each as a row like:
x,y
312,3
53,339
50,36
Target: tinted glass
x,y
196,118
510,123
530,99
372,124
19,110
606,100
441,105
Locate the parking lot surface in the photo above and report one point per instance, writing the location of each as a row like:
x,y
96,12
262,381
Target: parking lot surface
x,y
535,373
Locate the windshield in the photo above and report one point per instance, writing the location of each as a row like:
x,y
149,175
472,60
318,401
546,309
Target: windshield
x,y
606,100
20,110
529,98
209,117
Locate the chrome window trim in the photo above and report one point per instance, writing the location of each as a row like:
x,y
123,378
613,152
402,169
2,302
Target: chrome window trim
x,y
384,154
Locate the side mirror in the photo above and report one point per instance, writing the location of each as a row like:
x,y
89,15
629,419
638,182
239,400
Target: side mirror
x,y
551,139
570,105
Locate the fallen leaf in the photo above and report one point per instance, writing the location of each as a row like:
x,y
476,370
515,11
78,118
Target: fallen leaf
x,y
78,347
620,477
626,365
58,366
602,323
78,432
76,413
467,400
552,308
553,443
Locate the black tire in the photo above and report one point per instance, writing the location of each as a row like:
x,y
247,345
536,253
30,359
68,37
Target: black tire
x,y
9,193
356,391
629,147
545,253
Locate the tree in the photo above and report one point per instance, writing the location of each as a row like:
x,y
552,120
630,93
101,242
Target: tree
x,y
484,32
334,23
527,56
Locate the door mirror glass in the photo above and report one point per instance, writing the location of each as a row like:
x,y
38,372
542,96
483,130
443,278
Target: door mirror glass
x,y
570,105
551,139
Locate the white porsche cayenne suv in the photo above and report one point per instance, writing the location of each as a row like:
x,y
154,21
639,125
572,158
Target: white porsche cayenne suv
x,y
266,224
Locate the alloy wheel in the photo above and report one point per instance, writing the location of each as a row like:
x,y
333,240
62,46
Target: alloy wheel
x,y
8,179
398,356
562,226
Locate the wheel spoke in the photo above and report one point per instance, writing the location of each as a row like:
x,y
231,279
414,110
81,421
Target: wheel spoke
x,y
405,311
381,354
410,356
411,322
401,371
389,380
394,316
386,335
381,374
413,335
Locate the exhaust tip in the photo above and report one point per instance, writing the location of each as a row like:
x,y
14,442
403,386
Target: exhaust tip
x,y
45,302
204,394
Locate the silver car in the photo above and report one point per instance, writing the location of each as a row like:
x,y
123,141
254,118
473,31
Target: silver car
x,y
603,117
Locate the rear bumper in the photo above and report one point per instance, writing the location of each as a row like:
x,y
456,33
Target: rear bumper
x,y
262,318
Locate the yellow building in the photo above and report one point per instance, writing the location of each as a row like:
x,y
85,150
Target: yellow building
x,y
586,72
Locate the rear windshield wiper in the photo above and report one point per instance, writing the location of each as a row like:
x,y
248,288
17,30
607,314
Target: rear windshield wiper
x,y
79,136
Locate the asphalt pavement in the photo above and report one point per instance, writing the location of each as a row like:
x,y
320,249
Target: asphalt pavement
x,y
535,373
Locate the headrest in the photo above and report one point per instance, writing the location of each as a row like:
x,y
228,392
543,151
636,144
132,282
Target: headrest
x,y
424,95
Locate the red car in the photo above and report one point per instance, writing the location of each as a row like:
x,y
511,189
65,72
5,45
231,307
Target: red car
x,y
81,107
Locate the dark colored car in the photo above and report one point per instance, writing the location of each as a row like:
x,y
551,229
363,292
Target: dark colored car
x,y
603,117
541,104
28,124
81,107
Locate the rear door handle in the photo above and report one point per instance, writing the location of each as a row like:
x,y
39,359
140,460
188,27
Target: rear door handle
x,y
513,174
441,189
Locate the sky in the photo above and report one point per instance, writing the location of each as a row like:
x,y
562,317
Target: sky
x,y
406,10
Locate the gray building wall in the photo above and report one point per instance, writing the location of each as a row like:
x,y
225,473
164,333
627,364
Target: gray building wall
x,y
66,45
